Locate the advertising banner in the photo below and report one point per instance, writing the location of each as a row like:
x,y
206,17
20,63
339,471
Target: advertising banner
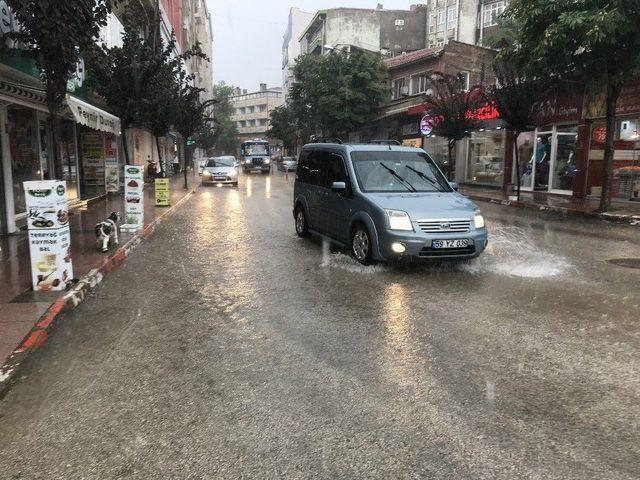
x,y
49,237
111,170
162,192
92,145
133,197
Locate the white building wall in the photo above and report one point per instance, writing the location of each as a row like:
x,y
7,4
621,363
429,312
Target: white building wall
x,y
357,28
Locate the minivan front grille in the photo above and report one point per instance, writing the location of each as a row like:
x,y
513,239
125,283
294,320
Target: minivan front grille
x,y
445,226
428,252
257,162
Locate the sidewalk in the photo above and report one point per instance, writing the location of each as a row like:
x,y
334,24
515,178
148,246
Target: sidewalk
x,y
20,307
621,211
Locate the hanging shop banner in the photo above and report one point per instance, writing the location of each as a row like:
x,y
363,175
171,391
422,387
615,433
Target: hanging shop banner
x,y
49,237
92,117
93,160
111,170
162,192
133,197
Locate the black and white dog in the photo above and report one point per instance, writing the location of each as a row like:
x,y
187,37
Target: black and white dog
x,y
107,231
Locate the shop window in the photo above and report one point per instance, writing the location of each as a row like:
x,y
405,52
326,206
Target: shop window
x,y
564,164
23,133
486,157
437,148
628,130
68,155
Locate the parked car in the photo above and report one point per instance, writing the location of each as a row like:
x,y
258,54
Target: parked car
x,y
287,164
220,170
384,202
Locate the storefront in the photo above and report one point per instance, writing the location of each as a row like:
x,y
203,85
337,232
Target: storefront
x,y
626,158
549,155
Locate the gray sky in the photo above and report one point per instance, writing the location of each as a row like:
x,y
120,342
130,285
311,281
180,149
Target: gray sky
x,y
247,36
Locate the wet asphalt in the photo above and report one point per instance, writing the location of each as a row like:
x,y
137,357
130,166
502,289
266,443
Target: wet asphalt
x,y
226,348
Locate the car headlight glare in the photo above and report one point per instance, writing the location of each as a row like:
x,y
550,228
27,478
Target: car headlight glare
x,y
399,220
478,220
267,161
233,173
206,173
247,161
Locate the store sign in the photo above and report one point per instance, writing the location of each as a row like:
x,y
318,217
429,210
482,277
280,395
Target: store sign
x,y
488,111
426,125
92,117
133,197
49,236
599,134
628,101
412,142
163,195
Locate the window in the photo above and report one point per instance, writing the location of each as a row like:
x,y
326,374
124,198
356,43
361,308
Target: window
x,y
241,111
432,24
263,121
263,108
307,171
465,78
491,12
242,124
440,42
332,168
441,20
399,24
398,88
452,17
251,109
419,83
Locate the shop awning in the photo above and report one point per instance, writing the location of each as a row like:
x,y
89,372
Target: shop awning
x,y
92,117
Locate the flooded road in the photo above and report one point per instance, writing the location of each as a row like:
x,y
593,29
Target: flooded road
x,y
227,347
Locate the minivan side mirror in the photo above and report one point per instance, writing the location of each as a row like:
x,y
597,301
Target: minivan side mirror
x,y
338,186
454,186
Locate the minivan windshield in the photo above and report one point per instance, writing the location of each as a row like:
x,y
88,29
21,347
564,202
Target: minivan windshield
x,y
393,171
220,162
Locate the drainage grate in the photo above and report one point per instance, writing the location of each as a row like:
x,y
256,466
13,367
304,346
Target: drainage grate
x,y
625,262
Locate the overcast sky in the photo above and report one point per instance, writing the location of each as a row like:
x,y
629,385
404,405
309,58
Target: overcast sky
x,y
247,36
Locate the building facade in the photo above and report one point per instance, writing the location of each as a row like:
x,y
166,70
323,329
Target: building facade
x,y
298,21
253,109
385,31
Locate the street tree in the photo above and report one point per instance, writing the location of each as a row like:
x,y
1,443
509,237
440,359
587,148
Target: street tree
x,y
225,131
283,127
190,114
515,97
591,41
56,33
337,93
450,106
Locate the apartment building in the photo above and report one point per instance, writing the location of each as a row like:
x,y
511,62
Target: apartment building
x,y
252,110
377,30
298,21
197,28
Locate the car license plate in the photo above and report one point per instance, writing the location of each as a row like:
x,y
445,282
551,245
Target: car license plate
x,y
449,243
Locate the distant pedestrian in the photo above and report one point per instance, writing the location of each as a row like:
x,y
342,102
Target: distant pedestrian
x,y
176,164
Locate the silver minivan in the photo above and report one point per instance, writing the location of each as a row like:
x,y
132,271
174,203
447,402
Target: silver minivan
x,y
384,202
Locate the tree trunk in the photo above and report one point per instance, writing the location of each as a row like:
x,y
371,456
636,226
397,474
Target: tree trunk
x,y
54,124
186,161
125,147
451,145
160,161
516,156
613,92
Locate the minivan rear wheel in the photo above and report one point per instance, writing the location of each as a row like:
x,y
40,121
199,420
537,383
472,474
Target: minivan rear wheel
x,y
361,247
302,227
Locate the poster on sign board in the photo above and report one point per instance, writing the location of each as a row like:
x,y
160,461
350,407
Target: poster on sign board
x,y
49,236
133,197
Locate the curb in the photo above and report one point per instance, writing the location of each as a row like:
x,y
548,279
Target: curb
x,y
51,319
633,220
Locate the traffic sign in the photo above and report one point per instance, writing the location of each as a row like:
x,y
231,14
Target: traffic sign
x,y
426,125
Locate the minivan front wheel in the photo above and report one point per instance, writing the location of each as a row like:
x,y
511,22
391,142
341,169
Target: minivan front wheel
x,y
361,247
302,228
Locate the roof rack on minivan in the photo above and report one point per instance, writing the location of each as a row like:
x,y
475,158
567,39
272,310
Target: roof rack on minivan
x,y
385,142
315,139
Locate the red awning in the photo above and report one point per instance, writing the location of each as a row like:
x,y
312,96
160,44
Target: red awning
x,y
417,109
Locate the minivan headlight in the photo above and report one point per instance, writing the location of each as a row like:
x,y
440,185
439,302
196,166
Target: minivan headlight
x,y
399,220
478,220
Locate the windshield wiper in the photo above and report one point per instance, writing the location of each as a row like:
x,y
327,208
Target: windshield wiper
x,y
404,183
426,177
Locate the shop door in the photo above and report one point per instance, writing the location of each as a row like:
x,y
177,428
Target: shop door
x,y
69,157
542,154
563,163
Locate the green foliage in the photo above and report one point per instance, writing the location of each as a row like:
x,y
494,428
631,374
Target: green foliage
x,y
56,33
225,131
283,127
336,93
504,36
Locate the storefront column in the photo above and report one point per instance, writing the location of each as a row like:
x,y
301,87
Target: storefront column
x,y
580,174
508,162
7,175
